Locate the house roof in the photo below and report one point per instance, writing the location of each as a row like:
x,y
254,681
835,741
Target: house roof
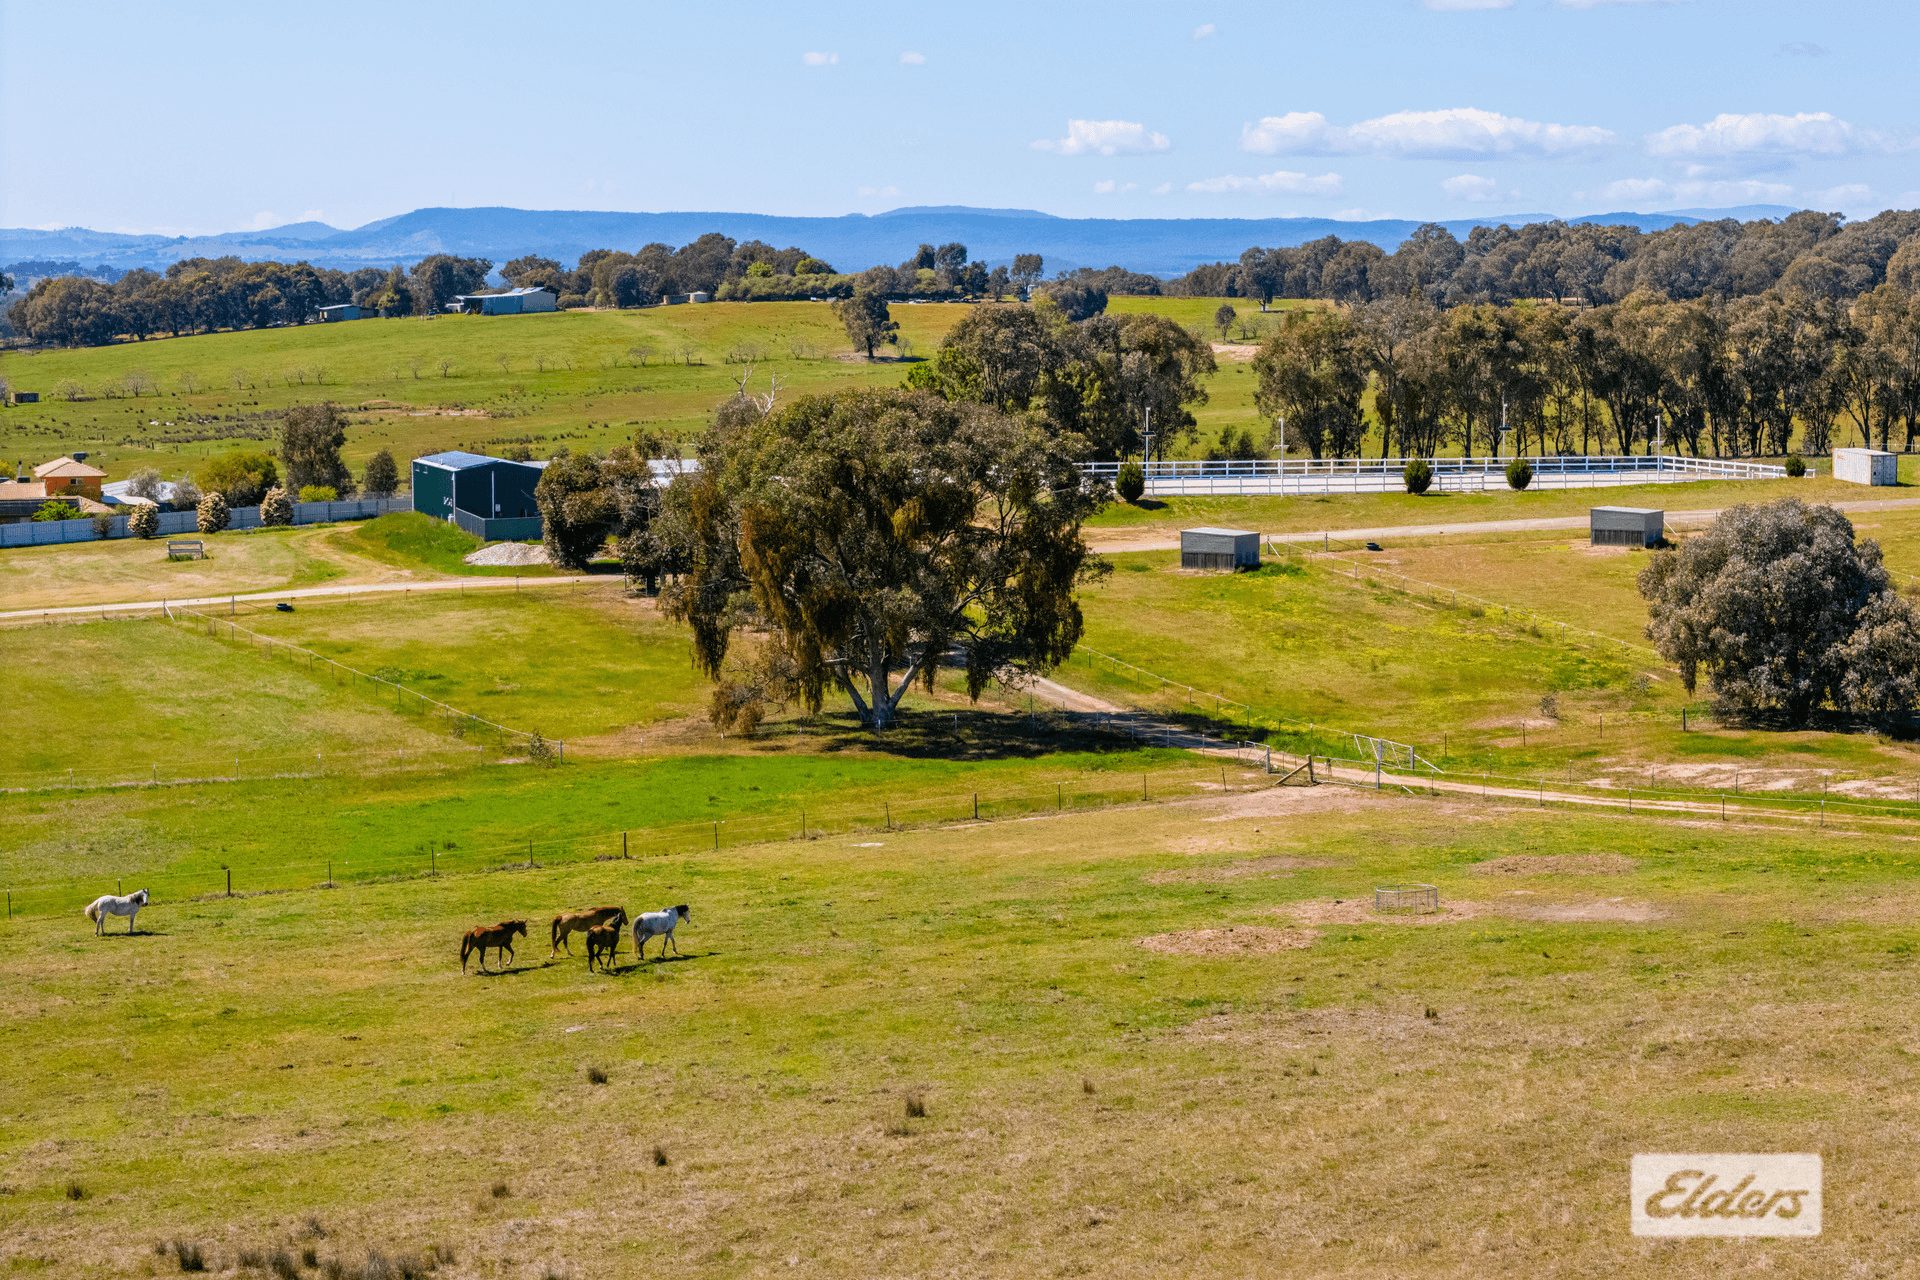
x,y
504,293
65,467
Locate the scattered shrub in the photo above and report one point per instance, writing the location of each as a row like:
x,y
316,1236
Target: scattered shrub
x,y
276,508
103,526
916,1107
1418,476
1550,706
659,1155
214,514
75,1191
188,1256
50,511
281,1264
1086,1085
542,752
596,1075
382,478
410,1267
144,520
309,1257
334,1270
319,493
501,1191
1131,482
569,301
250,1258
443,1254
1796,465
376,1267
1519,474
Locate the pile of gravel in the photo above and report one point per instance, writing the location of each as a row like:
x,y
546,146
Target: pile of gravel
x,y
510,553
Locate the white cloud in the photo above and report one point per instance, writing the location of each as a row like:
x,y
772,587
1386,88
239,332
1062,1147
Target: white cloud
x,y
1166,188
1660,191
1803,49
1204,30
879,191
1281,182
1852,195
1110,187
1468,186
263,220
912,59
1456,133
1757,133
820,59
1595,4
1456,6
1105,137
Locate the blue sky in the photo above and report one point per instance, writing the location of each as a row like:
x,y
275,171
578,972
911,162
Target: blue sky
x,y
203,117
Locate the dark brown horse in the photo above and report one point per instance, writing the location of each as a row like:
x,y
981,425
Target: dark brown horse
x,y
603,943
580,922
498,936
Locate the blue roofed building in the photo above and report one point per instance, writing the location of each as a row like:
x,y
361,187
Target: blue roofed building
x,y
485,491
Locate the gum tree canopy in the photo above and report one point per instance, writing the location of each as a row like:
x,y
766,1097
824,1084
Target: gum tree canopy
x,y
869,533
1786,612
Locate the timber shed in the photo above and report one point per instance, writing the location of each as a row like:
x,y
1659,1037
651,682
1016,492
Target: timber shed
x,y
1866,466
1626,526
492,488
1219,549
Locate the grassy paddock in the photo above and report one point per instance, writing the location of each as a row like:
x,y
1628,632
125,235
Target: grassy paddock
x,y
1372,1098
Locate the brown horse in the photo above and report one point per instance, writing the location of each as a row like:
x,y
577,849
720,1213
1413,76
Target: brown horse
x,y
603,943
580,922
498,936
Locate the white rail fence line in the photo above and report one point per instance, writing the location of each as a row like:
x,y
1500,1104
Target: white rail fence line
x,y
40,533
1283,476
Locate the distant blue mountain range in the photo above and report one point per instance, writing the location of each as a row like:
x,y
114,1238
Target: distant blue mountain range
x,y
1163,246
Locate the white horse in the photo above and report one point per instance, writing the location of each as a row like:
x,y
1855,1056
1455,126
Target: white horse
x,y
649,924
107,905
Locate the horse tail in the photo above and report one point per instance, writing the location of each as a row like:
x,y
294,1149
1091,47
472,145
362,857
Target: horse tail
x,y
93,911
466,949
556,933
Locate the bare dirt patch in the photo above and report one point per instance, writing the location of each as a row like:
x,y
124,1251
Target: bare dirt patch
x,y
1273,866
1360,911
1278,801
1557,864
1613,911
1239,352
1234,940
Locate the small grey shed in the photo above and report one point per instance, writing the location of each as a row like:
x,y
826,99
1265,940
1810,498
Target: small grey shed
x,y
1219,549
1627,526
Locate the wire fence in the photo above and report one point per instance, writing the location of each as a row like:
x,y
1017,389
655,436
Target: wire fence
x,y
435,857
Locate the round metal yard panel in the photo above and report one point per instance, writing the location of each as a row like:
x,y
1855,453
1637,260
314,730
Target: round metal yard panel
x,y
1407,899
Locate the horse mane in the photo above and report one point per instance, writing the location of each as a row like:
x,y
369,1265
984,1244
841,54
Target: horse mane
x,y
681,911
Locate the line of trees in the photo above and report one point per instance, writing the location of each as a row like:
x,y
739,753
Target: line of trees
x,y
1740,377
201,295
1807,253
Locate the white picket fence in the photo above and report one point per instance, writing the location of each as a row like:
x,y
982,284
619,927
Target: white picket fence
x,y
37,533
1277,476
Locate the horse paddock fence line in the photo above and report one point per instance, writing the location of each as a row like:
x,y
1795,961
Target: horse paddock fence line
x,y
1098,789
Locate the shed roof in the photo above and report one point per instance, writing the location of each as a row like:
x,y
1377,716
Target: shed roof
x,y
1224,533
457,460
1630,511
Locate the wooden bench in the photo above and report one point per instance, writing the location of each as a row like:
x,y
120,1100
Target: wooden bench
x,y
186,547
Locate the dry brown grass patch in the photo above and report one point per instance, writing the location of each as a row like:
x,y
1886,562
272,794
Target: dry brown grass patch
x,y
1557,864
1360,911
1272,866
1234,940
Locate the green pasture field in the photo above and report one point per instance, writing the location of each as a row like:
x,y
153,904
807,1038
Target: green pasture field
x,y
117,700
1319,1092
1306,513
572,663
393,548
1301,639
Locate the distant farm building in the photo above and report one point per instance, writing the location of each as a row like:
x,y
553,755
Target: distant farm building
x,y
511,303
1219,549
1626,526
1866,466
26,397
338,311
65,479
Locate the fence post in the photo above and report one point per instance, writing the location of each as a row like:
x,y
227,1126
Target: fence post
x,y
716,835
229,882
623,845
